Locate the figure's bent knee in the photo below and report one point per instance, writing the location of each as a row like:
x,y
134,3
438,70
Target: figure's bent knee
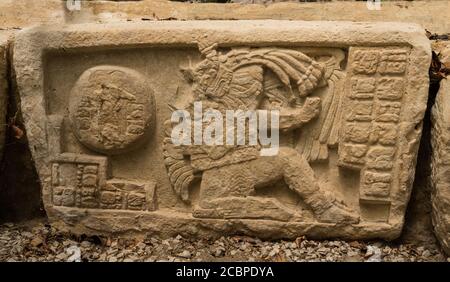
x,y
292,157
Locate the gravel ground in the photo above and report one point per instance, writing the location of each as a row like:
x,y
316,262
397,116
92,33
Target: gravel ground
x,y
37,241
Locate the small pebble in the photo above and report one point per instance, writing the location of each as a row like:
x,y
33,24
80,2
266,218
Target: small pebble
x,y
185,254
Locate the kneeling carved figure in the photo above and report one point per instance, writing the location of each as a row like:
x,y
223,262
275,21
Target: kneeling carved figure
x,y
252,79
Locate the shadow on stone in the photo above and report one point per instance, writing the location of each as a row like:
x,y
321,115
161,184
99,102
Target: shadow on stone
x,y
20,197
418,228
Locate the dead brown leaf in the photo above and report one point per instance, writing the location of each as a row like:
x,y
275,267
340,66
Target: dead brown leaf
x,y
37,241
18,133
435,36
355,244
279,258
438,70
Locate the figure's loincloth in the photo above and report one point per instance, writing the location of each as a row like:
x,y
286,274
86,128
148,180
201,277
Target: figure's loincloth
x,y
208,157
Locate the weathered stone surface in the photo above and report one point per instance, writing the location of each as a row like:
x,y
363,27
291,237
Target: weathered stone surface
x,y
16,14
22,13
440,141
351,98
429,14
95,121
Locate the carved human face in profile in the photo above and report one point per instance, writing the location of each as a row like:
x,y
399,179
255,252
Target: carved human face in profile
x,y
200,78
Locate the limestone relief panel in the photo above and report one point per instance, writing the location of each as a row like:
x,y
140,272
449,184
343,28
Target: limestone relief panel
x,y
344,107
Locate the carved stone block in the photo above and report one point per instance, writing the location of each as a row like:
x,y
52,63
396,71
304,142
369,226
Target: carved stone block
x,y
440,161
347,101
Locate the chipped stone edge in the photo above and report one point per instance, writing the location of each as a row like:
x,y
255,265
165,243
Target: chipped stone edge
x,y
33,44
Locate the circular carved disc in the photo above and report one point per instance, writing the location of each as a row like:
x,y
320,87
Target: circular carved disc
x,y
111,109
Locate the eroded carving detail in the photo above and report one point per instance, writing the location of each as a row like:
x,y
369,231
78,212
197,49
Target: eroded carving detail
x,y
370,130
261,78
121,194
81,181
111,109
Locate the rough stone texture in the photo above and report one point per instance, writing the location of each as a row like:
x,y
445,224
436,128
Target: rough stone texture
x,y
346,176
16,14
440,142
21,13
430,14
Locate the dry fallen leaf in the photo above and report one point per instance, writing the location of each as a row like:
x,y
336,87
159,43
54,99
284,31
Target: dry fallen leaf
x,y
37,241
438,70
355,244
18,133
435,36
279,258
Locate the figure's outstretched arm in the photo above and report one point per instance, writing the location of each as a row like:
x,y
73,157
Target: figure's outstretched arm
x,y
293,118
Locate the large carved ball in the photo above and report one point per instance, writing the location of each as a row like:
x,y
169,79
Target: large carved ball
x,y
111,109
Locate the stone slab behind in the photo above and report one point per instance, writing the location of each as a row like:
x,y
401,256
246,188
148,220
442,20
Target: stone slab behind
x,y
15,14
440,141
